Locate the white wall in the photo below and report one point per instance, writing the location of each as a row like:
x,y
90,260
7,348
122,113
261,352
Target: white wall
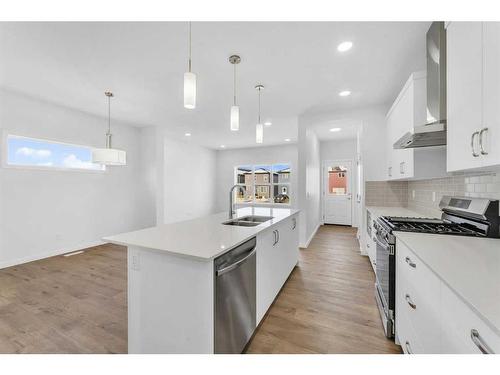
x,y
189,181
343,149
228,159
43,212
309,181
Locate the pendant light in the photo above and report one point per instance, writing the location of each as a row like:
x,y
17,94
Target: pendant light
x,y
259,128
109,155
235,109
189,81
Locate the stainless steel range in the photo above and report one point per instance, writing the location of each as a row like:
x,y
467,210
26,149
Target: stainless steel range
x,y
461,216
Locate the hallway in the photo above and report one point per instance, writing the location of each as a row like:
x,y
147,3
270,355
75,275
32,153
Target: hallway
x,y
327,304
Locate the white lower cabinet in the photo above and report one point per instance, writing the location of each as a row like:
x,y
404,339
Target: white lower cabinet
x,y
277,255
430,317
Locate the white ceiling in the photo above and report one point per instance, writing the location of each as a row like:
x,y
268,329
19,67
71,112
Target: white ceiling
x,y
143,63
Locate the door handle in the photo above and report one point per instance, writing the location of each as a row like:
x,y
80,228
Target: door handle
x,y
408,347
483,130
474,153
477,339
275,238
410,263
235,264
402,167
410,302
278,235
294,221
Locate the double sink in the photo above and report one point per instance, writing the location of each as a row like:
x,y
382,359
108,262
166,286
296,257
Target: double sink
x,y
248,221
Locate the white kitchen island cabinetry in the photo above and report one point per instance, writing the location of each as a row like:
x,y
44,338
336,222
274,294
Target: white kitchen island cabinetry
x,y
473,95
171,281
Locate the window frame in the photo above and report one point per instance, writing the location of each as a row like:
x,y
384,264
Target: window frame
x,y
271,184
5,152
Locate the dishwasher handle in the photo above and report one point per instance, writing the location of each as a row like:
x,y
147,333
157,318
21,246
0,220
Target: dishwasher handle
x,y
235,264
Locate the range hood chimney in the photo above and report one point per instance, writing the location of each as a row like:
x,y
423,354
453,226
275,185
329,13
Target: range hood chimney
x,y
433,133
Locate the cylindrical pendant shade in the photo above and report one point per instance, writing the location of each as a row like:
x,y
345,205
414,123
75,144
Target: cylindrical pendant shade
x,y
235,118
259,133
189,90
109,156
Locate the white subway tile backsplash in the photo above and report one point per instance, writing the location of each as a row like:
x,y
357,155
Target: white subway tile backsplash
x,y
400,193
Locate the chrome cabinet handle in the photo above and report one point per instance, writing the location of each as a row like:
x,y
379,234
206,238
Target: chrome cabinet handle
x,y
389,171
410,302
410,263
408,347
401,167
294,221
275,238
483,152
477,339
368,245
474,153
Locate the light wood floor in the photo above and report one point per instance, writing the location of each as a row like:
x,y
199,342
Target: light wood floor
x,y
327,304
78,304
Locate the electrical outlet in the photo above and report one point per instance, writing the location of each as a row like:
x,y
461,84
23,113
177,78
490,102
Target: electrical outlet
x,y
136,263
413,194
433,196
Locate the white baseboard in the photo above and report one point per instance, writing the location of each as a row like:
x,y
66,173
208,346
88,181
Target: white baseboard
x,y
15,262
306,245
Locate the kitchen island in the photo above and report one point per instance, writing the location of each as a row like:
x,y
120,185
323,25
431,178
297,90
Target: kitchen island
x,y
171,279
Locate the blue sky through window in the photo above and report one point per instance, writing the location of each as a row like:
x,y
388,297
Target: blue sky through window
x,y
41,153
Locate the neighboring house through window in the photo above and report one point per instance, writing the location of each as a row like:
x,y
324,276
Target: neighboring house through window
x,y
263,183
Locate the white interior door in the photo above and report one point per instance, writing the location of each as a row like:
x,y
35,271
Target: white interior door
x,y
337,192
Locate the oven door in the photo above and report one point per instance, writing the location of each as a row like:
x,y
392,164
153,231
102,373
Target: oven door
x,y
385,284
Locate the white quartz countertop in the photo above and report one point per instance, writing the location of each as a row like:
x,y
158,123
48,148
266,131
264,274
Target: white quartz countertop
x,y
393,211
470,266
203,238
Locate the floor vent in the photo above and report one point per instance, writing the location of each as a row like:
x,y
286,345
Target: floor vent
x,y
74,253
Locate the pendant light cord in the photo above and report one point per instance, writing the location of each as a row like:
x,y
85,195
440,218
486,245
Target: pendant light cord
x,y
234,86
189,42
259,105
109,114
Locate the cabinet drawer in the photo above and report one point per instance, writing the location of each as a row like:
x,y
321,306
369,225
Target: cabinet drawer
x,y
458,322
408,339
418,293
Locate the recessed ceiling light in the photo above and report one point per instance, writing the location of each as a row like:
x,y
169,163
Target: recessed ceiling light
x,y
287,139
222,146
333,130
345,93
268,123
187,134
344,46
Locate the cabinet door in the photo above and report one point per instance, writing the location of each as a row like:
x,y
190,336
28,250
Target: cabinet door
x,y
464,87
268,280
490,138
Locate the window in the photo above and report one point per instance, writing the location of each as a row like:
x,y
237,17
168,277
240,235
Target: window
x,y
263,184
40,153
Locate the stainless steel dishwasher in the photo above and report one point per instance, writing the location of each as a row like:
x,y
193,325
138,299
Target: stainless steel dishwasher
x,y
235,298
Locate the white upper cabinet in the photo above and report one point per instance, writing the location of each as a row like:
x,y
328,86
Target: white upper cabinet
x,y
408,111
473,95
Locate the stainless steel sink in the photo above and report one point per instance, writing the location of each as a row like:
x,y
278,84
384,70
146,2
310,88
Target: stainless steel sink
x,y
241,223
248,221
255,219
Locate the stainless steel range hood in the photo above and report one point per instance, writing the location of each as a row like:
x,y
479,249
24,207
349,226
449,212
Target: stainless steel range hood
x,y
433,133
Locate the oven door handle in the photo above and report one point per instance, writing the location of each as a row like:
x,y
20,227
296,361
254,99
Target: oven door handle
x,y
385,246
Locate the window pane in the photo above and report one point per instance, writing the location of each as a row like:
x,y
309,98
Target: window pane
x,y
263,194
244,197
262,174
281,194
281,173
24,151
338,180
